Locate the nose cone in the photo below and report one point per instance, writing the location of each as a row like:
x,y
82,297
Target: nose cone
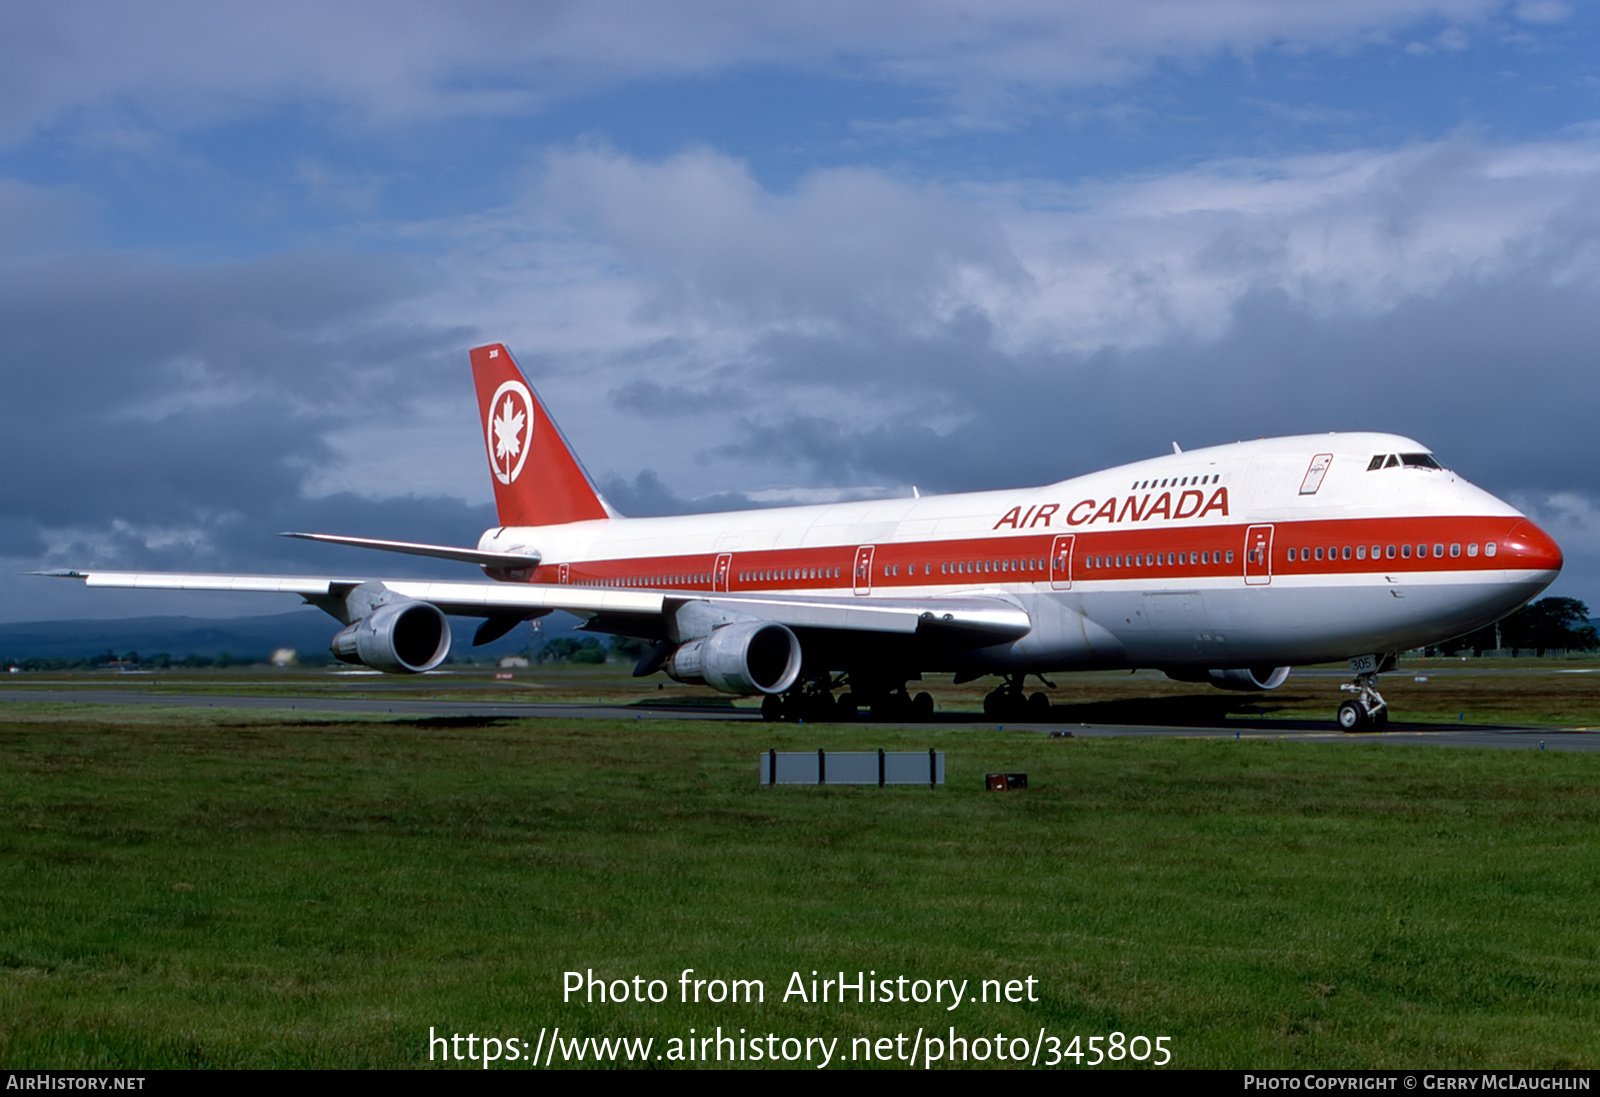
x,y
1531,548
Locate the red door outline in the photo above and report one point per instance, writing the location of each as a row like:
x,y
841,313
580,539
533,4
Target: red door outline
x,y
863,576
722,571
1061,562
562,574
1258,555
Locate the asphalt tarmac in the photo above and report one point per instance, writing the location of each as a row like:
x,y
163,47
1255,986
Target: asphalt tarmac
x,y
1398,733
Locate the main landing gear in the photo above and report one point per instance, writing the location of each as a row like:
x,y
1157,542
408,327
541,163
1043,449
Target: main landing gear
x,y
1007,701
1367,710
813,700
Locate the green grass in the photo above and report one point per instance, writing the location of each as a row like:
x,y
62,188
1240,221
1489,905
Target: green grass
x,y
185,888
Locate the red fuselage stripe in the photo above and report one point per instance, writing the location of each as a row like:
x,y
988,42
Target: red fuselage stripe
x,y
1389,545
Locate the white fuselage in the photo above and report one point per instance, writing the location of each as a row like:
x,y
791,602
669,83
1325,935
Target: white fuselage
x,y
1239,555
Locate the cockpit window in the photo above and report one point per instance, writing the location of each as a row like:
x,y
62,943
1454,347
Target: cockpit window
x,y
1376,462
1394,462
1420,461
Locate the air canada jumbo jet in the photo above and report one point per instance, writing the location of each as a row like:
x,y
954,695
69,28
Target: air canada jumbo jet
x,y
1226,565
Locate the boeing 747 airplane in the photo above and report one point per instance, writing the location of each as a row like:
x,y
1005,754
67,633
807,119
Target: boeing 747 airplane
x,y
1227,565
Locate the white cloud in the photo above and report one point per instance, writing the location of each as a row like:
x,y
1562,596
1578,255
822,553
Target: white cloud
x,y
185,63
690,259
684,275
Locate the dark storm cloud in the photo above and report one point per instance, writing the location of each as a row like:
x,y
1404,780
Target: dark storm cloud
x,y
169,410
1498,379
649,398
645,496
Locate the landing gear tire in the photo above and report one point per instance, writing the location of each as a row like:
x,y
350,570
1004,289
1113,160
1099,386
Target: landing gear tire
x,y
772,708
1352,717
1367,710
922,707
1007,702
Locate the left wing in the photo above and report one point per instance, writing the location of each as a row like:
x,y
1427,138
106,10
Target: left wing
x,y
387,615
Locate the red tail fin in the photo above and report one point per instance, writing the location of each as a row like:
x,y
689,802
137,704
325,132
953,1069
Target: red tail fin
x,y
537,479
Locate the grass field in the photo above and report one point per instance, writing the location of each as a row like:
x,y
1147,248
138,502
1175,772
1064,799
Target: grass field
x,y
215,888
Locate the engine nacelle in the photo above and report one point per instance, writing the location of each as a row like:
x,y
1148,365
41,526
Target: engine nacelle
x,y
1240,678
402,637
745,657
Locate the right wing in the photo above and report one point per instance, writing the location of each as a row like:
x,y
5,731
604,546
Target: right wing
x,y
481,557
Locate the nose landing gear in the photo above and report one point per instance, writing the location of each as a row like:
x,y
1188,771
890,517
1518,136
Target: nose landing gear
x,y
1367,710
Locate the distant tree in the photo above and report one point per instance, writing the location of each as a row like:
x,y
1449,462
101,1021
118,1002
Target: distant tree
x,y
566,649
1547,623
589,651
628,647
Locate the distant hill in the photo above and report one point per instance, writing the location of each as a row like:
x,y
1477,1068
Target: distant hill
x,y
307,630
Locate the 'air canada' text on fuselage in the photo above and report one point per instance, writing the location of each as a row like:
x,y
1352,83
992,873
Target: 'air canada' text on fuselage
x,y
1189,504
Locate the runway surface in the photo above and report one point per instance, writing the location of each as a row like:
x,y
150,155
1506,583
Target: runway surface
x,y
1505,738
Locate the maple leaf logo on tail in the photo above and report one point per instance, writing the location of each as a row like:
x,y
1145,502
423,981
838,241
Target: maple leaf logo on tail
x,y
507,434
510,430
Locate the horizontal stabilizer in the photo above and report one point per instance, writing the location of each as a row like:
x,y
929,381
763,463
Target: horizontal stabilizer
x,y
442,552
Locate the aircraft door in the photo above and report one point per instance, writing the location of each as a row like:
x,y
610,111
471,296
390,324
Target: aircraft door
x,y
562,574
864,569
1258,555
1061,562
722,571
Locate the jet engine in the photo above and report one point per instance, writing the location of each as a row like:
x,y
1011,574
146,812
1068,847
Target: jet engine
x,y
744,657
401,637
1240,678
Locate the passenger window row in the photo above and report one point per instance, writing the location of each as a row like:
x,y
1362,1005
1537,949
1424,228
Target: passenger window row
x,y
1115,561
1387,552
1156,559
987,567
686,579
787,575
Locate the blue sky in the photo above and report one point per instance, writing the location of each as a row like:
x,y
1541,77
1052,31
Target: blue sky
x,y
793,251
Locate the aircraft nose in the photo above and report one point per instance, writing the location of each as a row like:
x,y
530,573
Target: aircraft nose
x,y
1532,548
